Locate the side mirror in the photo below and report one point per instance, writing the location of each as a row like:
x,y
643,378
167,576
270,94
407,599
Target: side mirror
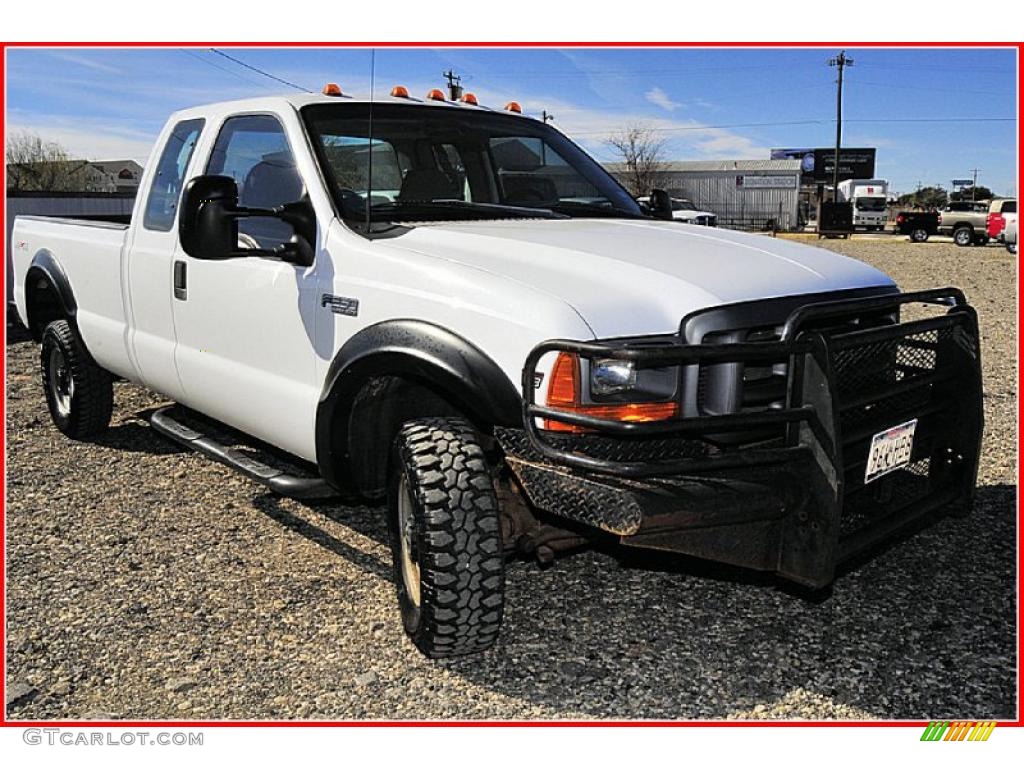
x,y
208,224
661,204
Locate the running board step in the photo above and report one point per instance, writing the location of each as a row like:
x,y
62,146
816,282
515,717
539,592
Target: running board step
x,y
277,480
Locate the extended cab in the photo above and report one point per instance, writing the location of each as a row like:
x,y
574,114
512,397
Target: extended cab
x,y
458,310
965,221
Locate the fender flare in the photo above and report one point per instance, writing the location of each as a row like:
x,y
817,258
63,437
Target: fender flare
x,y
45,266
419,351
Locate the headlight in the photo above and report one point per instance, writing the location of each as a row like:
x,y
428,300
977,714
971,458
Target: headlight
x,y
609,377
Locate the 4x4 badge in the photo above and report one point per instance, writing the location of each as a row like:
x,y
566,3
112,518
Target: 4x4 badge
x,y
340,305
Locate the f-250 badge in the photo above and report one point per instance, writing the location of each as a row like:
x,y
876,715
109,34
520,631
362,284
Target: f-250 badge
x,y
340,305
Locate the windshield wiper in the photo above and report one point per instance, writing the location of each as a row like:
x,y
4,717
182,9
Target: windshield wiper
x,y
571,207
443,209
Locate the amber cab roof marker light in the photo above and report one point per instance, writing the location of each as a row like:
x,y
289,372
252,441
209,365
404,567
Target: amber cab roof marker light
x,y
513,106
400,92
470,98
332,89
435,94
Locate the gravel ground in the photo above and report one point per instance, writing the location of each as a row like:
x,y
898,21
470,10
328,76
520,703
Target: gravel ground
x,y
147,582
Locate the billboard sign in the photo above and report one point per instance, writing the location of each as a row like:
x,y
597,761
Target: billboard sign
x,y
816,164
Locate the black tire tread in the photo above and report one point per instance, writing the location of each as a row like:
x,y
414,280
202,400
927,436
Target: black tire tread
x,y
462,580
93,401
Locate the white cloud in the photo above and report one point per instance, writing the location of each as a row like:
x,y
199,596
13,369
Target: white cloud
x,y
90,140
659,98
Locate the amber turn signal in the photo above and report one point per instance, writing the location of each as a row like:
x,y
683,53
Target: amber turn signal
x,y
564,394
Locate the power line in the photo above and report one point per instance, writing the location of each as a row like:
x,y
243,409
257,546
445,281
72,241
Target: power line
x,y
260,71
680,128
239,75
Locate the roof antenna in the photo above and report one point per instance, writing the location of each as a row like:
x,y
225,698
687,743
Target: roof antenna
x,y
369,161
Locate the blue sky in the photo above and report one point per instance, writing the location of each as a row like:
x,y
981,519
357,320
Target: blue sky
x,y
706,103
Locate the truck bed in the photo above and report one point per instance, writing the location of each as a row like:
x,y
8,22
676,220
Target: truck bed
x,y
89,253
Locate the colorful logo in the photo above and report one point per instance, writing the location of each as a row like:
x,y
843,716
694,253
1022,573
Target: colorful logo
x,y
960,730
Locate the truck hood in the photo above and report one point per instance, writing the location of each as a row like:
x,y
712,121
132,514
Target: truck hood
x,y
637,277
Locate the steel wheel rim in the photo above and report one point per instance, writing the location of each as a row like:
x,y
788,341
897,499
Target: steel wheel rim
x,y
62,386
408,551
962,237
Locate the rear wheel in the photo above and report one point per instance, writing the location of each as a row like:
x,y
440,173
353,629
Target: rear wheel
x,y
918,235
963,236
445,538
79,394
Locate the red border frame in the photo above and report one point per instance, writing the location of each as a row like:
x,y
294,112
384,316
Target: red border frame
x,y
4,722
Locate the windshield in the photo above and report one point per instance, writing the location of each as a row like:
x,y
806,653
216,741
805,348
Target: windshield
x,y
432,163
871,203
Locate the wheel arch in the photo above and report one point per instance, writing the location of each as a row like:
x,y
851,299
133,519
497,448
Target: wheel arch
x,y
48,294
393,371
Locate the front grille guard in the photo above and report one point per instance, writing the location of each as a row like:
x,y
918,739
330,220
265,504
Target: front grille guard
x,y
811,416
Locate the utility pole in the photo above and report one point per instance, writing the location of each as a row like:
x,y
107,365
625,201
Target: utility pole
x,y
974,184
454,87
545,115
841,61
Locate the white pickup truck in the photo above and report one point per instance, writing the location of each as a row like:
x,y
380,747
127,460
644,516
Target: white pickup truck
x,y
456,309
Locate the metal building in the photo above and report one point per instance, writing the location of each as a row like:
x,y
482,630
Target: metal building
x,y
745,194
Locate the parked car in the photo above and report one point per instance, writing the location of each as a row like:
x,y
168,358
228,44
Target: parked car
x,y
685,211
996,221
917,225
513,369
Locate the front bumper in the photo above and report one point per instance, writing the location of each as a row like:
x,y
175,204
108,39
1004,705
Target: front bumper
x,y
790,497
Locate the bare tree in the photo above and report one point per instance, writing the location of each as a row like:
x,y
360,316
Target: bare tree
x,y
35,165
642,154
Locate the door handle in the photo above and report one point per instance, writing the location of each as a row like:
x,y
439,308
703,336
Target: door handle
x,y
180,280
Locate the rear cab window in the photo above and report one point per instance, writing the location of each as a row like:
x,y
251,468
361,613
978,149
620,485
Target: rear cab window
x,y
165,191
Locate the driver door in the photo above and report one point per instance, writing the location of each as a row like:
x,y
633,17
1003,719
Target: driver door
x,y
245,326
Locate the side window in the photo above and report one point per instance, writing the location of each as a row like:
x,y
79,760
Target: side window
x,y
162,203
254,151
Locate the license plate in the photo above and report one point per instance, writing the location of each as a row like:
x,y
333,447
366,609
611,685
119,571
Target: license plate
x,y
890,450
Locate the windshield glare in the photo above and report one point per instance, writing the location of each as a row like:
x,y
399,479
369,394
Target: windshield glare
x,y
467,162
871,203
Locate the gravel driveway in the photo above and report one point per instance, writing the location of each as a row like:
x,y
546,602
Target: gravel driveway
x,y
147,582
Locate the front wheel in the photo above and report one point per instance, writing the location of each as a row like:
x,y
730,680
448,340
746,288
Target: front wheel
x,y
963,236
79,394
445,536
